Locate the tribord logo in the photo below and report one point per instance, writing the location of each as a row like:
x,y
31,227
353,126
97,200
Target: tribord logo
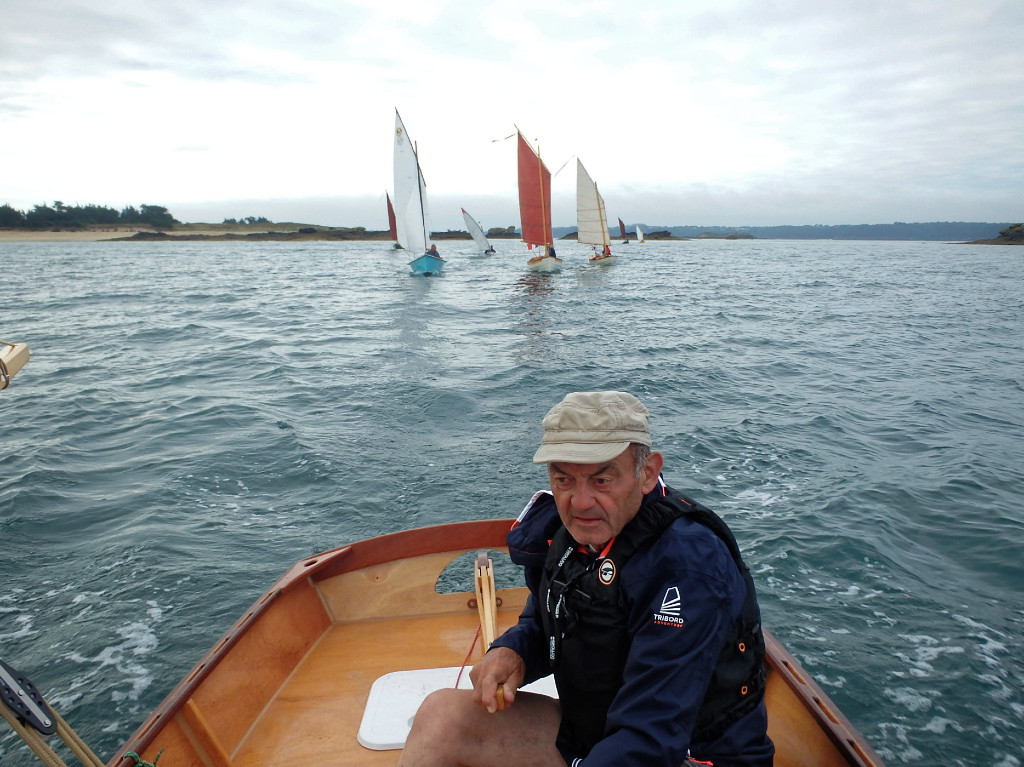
x,y
669,614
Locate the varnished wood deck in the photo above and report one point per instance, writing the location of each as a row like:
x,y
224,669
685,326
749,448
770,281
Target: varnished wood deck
x,y
319,709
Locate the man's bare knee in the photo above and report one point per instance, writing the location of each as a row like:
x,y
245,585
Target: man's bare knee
x,y
440,709
438,729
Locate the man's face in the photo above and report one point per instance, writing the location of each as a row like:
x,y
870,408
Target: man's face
x,y
596,500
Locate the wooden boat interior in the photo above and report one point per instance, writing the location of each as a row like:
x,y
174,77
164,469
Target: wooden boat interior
x,y
288,683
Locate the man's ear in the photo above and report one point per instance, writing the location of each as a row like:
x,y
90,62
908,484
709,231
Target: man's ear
x,y
652,469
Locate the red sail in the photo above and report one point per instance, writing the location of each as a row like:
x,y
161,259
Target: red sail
x,y
534,195
391,218
622,229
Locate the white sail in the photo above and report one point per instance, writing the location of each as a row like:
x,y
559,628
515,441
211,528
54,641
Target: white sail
x,y
639,234
410,201
590,216
476,232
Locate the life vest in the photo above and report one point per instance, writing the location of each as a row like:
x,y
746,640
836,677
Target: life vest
x,y
588,640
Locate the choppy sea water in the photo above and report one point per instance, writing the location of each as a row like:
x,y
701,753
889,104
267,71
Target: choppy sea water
x,y
197,416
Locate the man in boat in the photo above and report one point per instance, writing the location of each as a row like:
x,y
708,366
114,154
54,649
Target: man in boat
x,y
641,607
432,250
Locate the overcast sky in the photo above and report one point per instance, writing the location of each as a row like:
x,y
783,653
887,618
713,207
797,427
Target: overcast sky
x,y
699,112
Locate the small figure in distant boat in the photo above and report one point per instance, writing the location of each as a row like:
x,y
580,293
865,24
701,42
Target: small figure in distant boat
x,y
490,251
432,250
551,251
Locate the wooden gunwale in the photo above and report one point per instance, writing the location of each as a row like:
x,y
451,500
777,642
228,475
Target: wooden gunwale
x,y
844,736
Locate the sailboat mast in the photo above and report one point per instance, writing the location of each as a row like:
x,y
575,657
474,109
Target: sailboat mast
x,y
601,215
419,192
543,202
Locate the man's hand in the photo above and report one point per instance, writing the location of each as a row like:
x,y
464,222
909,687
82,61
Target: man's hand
x,y
496,678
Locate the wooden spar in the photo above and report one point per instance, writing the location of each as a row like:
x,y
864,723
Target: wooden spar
x,y
543,202
486,600
487,604
604,219
419,191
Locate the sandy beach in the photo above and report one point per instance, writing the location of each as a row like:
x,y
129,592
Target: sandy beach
x,y
24,235
211,233
93,235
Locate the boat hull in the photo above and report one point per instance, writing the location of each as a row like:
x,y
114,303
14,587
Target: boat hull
x,y
427,265
289,682
544,264
602,259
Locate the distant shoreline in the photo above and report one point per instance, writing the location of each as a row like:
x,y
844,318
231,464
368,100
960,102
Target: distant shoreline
x,y
193,232
252,233
287,232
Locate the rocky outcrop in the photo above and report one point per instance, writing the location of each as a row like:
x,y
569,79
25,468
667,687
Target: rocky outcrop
x,y
1011,235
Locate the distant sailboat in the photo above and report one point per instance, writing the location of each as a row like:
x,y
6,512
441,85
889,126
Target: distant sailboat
x,y
392,226
477,233
640,234
591,221
535,207
622,233
411,204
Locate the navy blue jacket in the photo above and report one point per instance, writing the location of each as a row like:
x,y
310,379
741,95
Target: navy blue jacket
x,y
668,667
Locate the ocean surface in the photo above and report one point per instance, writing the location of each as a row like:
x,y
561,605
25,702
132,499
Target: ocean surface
x,y
198,416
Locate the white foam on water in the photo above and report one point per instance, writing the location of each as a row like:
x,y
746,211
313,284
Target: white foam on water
x,y
25,629
904,752
139,640
155,612
939,724
926,651
86,595
760,497
909,698
824,681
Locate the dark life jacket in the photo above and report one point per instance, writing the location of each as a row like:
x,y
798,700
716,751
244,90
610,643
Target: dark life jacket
x,y
588,640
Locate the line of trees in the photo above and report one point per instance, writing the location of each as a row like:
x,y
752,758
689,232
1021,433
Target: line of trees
x,y
248,220
61,216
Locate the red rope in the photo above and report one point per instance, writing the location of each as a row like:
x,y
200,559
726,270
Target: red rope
x,y
468,655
